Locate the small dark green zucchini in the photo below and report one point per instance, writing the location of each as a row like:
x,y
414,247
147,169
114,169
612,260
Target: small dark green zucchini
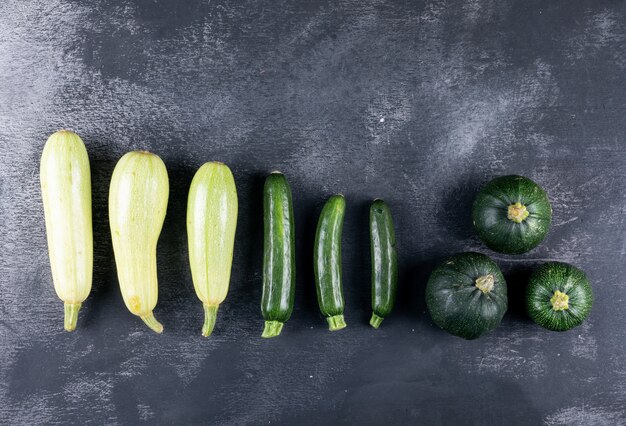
x,y
279,265
466,295
559,296
327,262
384,262
512,214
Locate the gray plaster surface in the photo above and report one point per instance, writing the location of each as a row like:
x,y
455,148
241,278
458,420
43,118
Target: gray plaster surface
x,y
418,103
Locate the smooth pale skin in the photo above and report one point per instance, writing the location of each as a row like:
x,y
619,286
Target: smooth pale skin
x,y
137,205
211,224
66,192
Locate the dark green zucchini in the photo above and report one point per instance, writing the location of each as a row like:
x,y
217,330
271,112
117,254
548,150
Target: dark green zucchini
x,y
558,296
466,295
279,265
327,262
384,262
512,214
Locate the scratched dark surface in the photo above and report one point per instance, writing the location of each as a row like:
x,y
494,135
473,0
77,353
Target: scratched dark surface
x,y
418,103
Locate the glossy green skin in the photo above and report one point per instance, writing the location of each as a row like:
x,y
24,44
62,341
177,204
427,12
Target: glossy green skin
x,y
384,259
279,260
491,209
327,257
547,279
457,305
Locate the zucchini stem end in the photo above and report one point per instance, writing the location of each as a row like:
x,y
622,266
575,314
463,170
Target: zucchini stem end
x,y
210,315
71,315
376,320
152,322
272,329
336,322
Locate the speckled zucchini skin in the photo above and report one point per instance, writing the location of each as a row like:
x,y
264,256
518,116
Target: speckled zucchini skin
x,y
327,262
384,261
279,259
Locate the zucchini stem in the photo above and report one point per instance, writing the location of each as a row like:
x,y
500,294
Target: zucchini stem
x,y
376,320
210,314
485,283
152,322
559,301
71,315
517,212
336,322
272,329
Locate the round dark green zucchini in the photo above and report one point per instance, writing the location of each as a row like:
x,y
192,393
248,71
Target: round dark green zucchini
x,y
512,214
384,262
558,296
327,262
466,295
279,265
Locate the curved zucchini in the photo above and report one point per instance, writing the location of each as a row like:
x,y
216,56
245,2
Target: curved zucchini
x,y
211,225
66,192
327,262
279,260
137,205
384,262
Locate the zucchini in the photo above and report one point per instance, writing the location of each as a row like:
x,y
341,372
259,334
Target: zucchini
x,y
137,204
384,262
512,214
279,260
211,224
466,295
66,192
327,262
559,296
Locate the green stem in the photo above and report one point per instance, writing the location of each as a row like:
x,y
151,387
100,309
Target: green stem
x,y
210,314
375,321
71,315
336,322
151,322
272,329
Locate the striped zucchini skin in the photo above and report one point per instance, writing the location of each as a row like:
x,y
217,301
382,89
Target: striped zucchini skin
x,y
327,262
137,205
384,261
66,192
279,262
211,224
546,284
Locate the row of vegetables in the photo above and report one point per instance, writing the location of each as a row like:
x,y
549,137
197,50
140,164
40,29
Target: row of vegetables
x,y
466,294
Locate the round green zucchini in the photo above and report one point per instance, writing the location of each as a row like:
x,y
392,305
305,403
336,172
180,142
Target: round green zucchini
x,y
279,261
327,262
512,214
559,296
384,262
466,295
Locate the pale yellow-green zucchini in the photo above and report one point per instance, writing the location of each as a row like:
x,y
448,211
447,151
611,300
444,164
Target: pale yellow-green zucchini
x,y
66,191
211,224
137,204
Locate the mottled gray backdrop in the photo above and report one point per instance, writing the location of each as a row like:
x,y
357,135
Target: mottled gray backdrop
x,y
416,102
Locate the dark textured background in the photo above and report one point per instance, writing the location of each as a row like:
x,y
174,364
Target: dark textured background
x,y
418,103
